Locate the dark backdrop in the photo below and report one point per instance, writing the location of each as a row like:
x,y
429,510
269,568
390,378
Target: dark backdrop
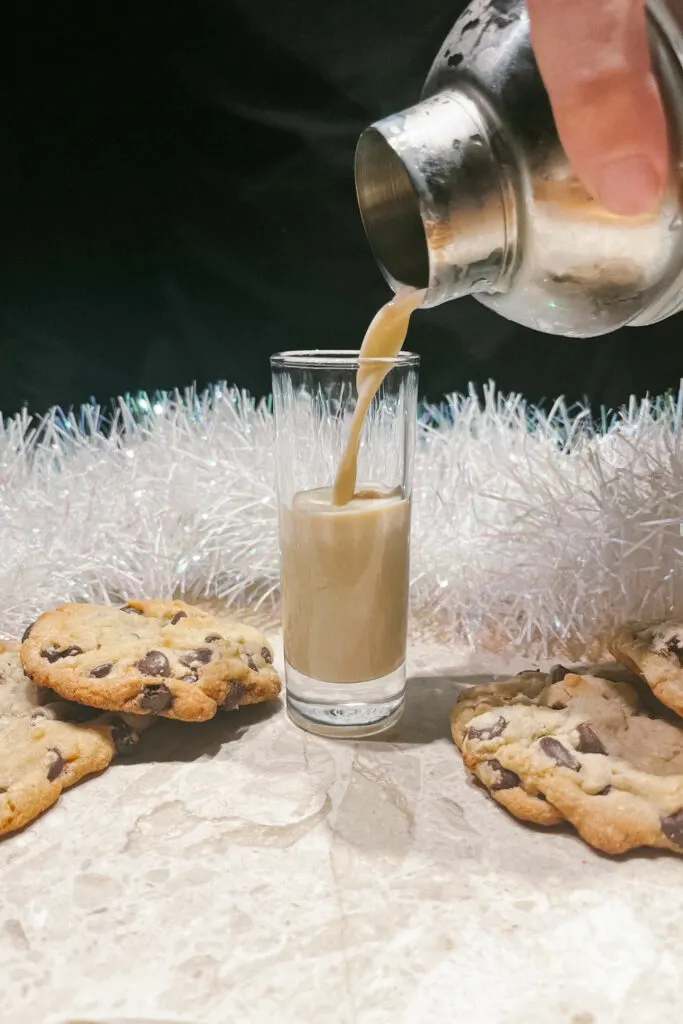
x,y
177,202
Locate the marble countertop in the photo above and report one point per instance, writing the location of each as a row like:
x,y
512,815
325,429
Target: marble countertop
x,y
243,871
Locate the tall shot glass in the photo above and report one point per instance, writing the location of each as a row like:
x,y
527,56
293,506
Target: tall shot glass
x,y
345,570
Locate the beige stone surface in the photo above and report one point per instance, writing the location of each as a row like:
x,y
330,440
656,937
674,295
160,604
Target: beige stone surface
x,y
242,872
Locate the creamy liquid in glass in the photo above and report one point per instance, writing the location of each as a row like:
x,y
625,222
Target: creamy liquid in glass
x,y
346,553
345,578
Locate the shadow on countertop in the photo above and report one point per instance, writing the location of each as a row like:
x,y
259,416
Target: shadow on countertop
x,y
189,741
429,701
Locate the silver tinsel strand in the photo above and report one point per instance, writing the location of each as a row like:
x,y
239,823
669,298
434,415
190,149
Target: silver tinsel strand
x,y
539,531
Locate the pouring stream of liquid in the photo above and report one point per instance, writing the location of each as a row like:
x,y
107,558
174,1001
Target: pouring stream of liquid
x,y
383,339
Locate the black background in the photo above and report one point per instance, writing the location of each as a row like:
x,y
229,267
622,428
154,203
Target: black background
x,y
177,202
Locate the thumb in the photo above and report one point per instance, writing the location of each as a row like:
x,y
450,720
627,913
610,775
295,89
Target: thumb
x,y
595,61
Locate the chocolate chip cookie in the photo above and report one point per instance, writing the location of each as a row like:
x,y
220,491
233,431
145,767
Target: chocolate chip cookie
x,y
585,747
150,657
655,651
524,800
41,753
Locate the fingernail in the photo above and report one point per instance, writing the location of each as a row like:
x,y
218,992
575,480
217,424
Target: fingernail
x,y
629,186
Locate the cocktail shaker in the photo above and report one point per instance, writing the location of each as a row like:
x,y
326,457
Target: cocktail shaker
x,y
470,191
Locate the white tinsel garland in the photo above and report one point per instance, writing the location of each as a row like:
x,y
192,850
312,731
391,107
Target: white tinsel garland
x,y
537,530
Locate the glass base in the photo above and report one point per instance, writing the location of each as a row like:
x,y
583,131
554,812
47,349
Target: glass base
x,y
345,710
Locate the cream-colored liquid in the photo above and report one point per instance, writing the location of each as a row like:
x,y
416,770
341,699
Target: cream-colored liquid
x,y
346,553
345,578
383,339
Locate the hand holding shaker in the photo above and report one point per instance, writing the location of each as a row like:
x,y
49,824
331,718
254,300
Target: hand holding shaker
x,y
470,192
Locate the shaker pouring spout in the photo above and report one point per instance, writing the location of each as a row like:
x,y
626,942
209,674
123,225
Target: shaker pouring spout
x,y
437,197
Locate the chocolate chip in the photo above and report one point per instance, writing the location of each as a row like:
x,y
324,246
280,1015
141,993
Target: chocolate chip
x,y
212,638
101,671
673,646
557,673
56,766
558,753
177,617
125,739
27,632
252,664
129,610
154,663
672,827
237,692
53,653
589,742
266,655
506,778
202,656
155,697
489,732
542,797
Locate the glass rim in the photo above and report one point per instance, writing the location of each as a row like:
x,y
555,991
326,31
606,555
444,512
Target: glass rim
x,y
336,358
